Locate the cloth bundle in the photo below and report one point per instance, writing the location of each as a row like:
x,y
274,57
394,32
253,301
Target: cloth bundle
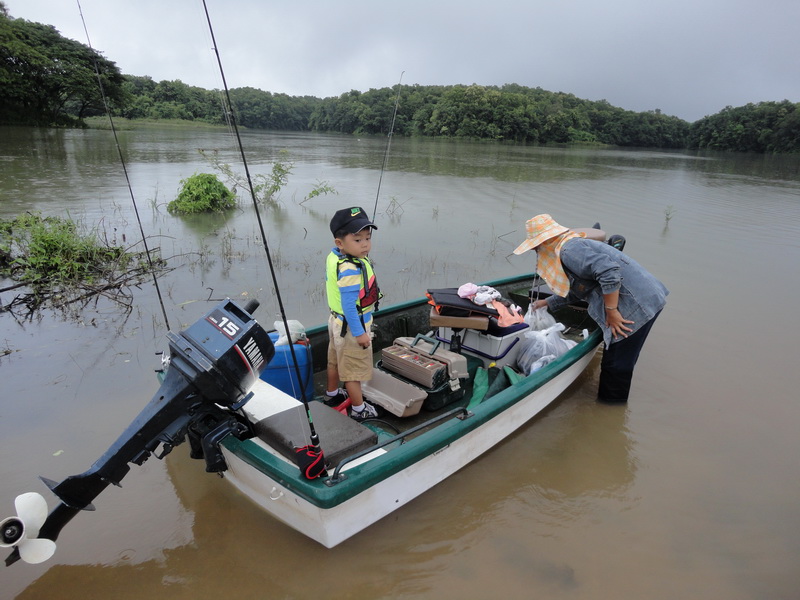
x,y
484,295
479,294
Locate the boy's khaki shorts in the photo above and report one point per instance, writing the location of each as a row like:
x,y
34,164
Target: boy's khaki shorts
x,y
353,362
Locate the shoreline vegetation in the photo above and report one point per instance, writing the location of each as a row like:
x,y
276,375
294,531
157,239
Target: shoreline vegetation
x,y
50,81
124,124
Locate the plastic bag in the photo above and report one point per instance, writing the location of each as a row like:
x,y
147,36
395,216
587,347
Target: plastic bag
x,y
539,344
532,347
296,329
539,319
545,360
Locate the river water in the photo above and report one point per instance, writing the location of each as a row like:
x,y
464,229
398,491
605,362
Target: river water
x,y
691,490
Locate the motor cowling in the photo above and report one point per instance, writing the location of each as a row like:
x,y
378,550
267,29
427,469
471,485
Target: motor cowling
x,y
223,353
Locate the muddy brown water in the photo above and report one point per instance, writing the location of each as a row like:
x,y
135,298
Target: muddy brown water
x,y
689,491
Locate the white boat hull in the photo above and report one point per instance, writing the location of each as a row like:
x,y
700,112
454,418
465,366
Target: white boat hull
x,y
331,526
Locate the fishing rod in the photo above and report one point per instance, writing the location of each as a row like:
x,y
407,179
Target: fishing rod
x,y
388,143
212,364
124,167
314,436
32,532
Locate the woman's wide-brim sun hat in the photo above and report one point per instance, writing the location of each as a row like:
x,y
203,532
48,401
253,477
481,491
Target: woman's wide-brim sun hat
x,y
540,229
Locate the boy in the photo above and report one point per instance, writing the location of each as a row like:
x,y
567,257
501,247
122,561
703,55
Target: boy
x,y
352,296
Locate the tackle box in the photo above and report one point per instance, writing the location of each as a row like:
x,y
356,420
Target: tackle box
x,y
443,395
398,397
423,361
414,365
431,348
436,397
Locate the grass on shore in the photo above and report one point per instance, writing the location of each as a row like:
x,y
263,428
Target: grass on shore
x,y
123,124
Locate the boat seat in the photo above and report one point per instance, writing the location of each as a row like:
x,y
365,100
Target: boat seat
x,y
339,435
479,322
592,233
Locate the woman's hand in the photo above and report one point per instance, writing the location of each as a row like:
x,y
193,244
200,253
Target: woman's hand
x,y
616,323
539,304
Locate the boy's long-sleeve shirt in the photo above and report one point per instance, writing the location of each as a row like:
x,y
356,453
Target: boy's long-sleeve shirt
x,y
349,283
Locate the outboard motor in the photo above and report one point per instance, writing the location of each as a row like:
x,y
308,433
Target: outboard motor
x,y
617,241
212,366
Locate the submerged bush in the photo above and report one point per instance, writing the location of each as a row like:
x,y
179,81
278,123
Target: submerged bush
x,y
202,192
56,265
33,247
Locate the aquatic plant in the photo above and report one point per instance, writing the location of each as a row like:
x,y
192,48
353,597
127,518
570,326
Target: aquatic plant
x,y
54,263
266,187
35,247
323,188
202,192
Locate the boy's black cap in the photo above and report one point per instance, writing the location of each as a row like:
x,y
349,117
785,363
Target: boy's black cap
x,y
351,220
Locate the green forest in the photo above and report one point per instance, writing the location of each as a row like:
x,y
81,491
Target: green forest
x,y
48,80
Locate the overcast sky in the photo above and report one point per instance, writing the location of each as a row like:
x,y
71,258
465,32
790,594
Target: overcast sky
x,y
688,58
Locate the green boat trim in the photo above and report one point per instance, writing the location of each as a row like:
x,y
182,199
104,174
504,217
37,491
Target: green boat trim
x,y
361,477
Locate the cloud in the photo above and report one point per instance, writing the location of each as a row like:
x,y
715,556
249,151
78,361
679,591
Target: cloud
x,y
687,58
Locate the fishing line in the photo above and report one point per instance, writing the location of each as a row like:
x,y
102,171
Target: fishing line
x,y
124,167
388,143
232,116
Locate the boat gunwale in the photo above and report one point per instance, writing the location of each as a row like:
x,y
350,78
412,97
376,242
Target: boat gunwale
x,y
363,476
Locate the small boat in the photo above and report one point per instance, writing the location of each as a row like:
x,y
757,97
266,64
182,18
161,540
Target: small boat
x,y
414,452
237,397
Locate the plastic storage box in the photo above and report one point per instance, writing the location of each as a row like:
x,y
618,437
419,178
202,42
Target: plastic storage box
x,y
501,350
280,371
398,397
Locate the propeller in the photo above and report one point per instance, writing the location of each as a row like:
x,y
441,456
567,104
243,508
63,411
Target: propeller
x,y
20,531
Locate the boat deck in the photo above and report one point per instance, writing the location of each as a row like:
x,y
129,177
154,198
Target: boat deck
x,y
413,319
388,424
407,321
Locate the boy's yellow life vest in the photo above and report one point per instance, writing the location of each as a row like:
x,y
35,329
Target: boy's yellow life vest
x,y
368,294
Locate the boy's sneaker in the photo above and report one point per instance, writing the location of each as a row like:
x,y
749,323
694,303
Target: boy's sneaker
x,y
369,412
336,400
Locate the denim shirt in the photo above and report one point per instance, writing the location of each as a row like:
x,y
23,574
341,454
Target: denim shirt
x,y
595,268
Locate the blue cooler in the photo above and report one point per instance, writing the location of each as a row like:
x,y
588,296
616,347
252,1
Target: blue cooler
x,y
280,372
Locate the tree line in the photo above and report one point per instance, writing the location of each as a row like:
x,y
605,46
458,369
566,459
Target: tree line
x,y
49,80
509,113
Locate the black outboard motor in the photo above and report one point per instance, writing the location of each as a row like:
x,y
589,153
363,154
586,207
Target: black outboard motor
x,y
617,241
212,366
